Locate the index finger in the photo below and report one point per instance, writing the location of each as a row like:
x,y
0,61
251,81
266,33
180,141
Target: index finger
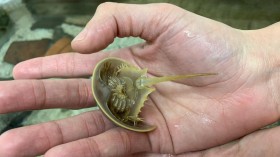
x,y
71,65
62,65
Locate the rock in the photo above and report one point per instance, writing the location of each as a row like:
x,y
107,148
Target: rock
x,y
22,50
63,45
62,7
48,22
80,20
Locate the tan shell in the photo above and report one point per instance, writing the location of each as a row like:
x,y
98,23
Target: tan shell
x,y
120,90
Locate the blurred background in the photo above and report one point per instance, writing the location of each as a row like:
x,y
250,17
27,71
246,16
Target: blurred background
x,y
34,28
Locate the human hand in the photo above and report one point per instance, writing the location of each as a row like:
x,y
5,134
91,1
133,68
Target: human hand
x,y
190,115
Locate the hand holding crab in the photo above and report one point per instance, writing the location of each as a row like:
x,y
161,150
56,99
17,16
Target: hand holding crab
x,y
194,116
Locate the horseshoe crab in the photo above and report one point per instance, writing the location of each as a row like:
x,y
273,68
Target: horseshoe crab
x,y
120,90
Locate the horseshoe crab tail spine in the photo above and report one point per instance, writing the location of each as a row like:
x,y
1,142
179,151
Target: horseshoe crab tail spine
x,y
147,82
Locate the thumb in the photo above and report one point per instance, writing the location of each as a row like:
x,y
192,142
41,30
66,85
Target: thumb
x,y
112,20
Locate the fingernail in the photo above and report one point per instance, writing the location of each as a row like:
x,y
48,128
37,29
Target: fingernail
x,y
81,36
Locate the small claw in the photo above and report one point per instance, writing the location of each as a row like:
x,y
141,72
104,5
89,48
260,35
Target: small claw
x,y
135,119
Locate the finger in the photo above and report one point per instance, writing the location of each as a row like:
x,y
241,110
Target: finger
x,y
114,142
71,64
62,65
20,95
115,19
37,139
261,143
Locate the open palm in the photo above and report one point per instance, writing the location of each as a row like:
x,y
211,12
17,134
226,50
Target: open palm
x,y
190,115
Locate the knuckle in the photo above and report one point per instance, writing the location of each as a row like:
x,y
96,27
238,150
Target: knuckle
x,y
70,64
85,99
165,6
106,6
4,97
125,140
56,151
57,131
39,87
93,147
